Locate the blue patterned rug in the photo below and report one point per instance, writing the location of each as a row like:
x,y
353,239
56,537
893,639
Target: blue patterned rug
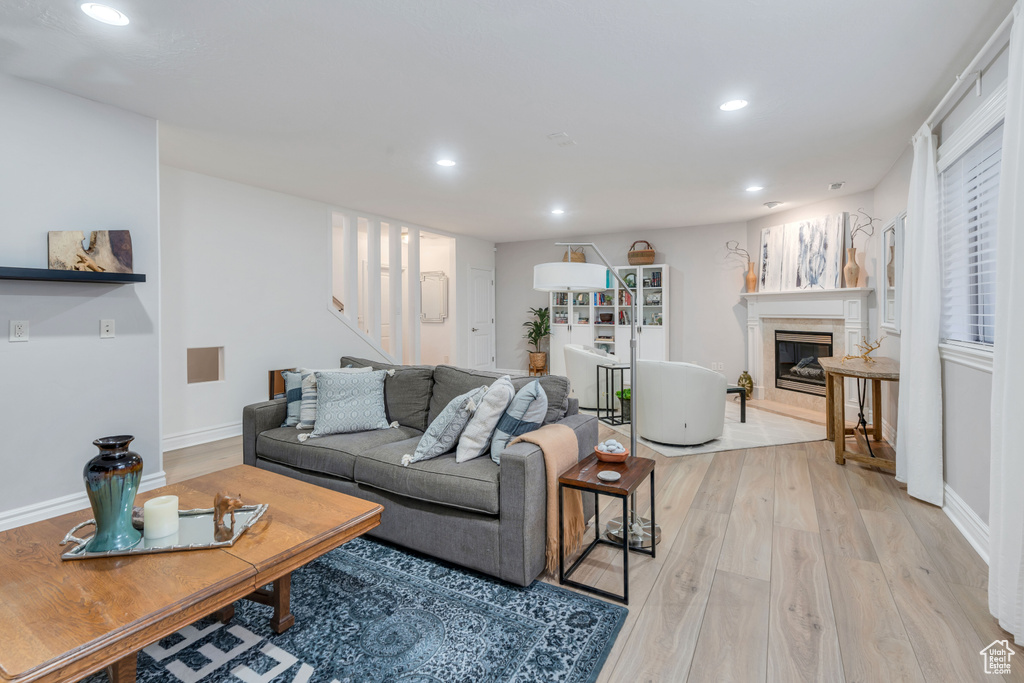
x,y
369,612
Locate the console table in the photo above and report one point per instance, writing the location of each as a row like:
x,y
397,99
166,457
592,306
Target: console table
x,y
877,371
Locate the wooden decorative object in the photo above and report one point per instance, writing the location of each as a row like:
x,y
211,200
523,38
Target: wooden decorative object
x,y
224,504
866,350
110,251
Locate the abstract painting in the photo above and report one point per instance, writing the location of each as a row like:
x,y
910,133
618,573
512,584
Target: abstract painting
x,y
110,251
771,256
803,255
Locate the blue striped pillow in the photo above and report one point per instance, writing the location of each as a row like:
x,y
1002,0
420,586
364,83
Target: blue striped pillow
x,y
525,414
293,394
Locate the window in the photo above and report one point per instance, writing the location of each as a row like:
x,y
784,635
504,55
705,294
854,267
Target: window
x,y
969,189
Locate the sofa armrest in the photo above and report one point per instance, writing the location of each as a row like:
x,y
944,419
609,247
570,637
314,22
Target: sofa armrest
x,y
257,418
523,502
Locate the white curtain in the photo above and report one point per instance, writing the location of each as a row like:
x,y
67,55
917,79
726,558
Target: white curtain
x,y
1006,506
919,442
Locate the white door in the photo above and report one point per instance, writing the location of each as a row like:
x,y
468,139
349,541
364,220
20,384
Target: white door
x,y
481,319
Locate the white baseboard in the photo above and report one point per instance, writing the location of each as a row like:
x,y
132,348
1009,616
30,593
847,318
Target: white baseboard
x,y
888,433
173,442
967,521
65,504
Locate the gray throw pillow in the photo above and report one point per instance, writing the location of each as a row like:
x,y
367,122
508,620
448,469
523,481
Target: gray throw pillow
x,y
307,409
349,402
443,433
524,414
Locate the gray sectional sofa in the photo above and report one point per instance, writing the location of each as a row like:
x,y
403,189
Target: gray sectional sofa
x,y
476,514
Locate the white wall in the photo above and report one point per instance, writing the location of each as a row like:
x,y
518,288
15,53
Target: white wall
x,y
707,319
437,340
250,270
69,163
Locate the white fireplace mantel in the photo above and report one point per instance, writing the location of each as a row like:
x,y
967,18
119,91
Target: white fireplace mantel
x,y
849,305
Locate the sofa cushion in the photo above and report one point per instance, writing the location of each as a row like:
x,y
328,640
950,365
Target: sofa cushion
x,y
450,382
332,455
469,485
407,393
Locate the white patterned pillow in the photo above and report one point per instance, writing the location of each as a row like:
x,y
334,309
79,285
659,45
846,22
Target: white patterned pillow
x,y
476,439
443,433
307,409
349,402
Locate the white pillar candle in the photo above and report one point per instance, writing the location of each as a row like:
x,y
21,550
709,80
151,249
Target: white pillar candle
x,y
160,517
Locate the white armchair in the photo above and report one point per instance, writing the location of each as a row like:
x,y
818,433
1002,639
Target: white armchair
x,y
679,403
581,369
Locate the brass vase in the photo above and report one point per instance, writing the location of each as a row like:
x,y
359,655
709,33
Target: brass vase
x,y
747,382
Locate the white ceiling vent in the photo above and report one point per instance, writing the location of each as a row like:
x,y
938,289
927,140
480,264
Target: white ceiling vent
x,y
836,186
561,139
772,205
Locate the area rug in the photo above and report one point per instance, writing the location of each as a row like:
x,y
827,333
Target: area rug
x,y
369,612
762,428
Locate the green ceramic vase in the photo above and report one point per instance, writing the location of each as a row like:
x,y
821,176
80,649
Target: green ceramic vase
x,y
112,480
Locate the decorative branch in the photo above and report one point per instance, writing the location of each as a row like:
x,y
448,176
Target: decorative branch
x,y
865,226
733,247
866,350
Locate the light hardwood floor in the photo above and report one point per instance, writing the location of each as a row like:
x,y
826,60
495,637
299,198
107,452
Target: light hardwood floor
x,y
778,565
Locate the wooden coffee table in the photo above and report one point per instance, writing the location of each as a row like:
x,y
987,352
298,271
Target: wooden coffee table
x,y
61,621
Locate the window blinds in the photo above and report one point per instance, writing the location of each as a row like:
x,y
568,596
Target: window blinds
x,y
969,203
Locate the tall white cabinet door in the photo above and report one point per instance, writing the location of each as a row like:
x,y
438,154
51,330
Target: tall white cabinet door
x,y
652,343
560,336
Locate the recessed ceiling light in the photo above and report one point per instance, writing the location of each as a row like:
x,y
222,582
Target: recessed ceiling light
x,y
733,105
108,15
445,162
558,212
754,188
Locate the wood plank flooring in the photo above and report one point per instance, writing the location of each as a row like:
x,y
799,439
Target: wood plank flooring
x,y
776,564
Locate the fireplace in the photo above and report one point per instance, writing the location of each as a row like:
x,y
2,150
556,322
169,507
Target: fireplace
x,y
796,360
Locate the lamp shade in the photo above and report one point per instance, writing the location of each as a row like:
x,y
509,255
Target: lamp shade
x,y
564,276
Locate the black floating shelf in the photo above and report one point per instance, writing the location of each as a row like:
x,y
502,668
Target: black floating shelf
x,y
49,275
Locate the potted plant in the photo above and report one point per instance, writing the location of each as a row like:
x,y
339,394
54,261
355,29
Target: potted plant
x,y
625,397
537,331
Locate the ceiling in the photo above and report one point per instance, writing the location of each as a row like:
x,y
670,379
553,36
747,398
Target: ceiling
x,y
353,102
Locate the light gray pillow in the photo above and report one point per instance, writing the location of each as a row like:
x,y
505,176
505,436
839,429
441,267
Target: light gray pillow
x,y
443,433
307,409
524,414
349,402
476,439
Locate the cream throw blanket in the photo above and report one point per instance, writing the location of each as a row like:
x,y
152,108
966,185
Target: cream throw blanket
x,y
561,449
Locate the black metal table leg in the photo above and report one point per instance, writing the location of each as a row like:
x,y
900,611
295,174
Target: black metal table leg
x,y
654,524
625,550
561,536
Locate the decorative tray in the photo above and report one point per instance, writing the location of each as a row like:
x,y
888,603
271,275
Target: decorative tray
x,y
195,532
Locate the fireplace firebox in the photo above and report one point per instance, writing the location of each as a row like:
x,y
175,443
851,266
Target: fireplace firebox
x,y
796,360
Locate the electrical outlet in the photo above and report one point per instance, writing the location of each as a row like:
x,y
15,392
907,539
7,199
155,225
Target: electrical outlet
x,y
106,329
19,331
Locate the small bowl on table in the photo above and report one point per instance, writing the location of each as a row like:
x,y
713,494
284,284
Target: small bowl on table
x,y
605,456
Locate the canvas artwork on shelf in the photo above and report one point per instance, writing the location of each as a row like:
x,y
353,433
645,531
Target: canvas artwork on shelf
x,y
110,251
803,255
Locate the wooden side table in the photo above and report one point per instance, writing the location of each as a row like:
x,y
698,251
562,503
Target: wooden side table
x,y
836,371
583,477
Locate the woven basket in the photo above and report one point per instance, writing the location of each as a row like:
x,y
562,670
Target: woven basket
x,y
577,255
641,257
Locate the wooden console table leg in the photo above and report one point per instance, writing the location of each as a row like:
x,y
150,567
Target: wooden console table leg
x,y
280,598
225,614
839,417
830,430
124,670
876,408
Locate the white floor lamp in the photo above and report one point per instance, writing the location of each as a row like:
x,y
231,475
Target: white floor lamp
x,y
566,276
